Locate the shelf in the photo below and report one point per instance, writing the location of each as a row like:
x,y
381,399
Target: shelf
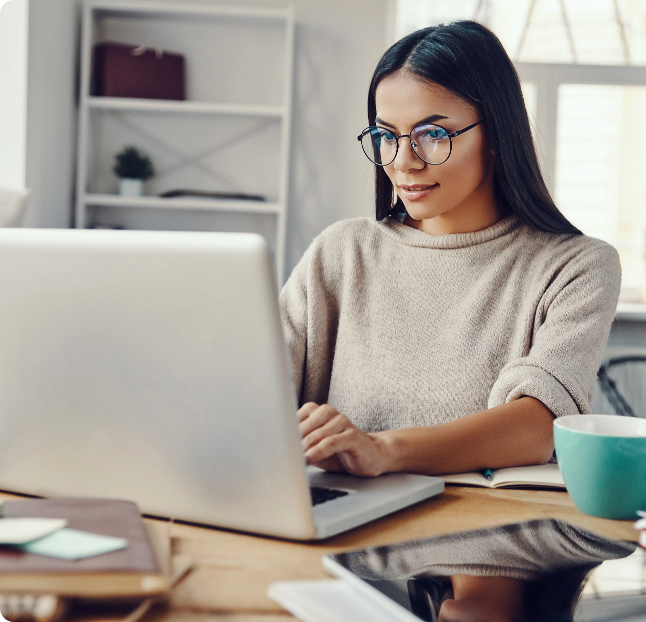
x,y
190,107
220,43
126,8
183,203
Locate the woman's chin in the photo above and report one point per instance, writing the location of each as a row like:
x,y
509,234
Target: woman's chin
x,y
420,212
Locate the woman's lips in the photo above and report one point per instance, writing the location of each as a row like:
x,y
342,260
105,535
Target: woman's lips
x,y
418,191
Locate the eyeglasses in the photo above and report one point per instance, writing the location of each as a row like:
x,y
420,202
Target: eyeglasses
x,y
431,143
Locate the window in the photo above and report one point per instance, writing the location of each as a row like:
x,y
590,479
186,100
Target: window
x,y
583,68
591,134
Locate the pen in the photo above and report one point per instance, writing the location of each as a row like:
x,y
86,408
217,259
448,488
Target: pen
x,y
488,474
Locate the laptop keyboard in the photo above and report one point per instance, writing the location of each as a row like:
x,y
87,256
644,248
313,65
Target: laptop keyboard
x,y
321,495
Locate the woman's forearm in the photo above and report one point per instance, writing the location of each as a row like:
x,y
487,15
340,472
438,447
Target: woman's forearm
x,y
513,434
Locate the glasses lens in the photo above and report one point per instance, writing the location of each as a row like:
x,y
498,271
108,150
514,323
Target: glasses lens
x,y
379,144
431,143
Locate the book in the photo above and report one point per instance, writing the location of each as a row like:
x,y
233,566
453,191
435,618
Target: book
x,y
133,572
205,194
535,476
138,71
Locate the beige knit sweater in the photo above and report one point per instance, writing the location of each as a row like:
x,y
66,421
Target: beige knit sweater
x,y
398,328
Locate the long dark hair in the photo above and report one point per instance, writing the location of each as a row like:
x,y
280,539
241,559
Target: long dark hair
x,y
553,599
466,58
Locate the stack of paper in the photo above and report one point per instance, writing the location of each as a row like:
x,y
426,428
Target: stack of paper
x,y
49,536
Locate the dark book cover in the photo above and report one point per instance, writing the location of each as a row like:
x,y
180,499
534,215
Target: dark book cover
x,y
130,571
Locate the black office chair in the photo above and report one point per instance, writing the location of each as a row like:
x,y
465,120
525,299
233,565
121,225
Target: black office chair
x,y
622,381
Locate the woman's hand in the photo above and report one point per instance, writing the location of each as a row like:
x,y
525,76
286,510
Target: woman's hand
x,y
513,434
333,443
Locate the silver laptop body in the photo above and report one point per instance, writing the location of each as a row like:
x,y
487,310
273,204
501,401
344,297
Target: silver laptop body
x,y
151,366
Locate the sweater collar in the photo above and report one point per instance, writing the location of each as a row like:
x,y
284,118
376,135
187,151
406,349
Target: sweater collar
x,y
415,237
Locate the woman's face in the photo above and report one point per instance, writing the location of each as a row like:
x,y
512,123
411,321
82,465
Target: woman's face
x,y
458,195
484,599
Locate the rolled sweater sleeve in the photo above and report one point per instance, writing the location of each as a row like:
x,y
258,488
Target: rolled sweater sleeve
x,y
293,309
309,311
571,327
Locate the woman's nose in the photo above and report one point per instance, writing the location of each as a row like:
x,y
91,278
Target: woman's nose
x,y
406,158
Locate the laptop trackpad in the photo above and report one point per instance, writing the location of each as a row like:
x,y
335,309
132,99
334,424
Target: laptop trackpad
x,y
355,493
368,497
372,491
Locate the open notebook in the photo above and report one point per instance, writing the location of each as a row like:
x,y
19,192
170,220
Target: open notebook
x,y
536,476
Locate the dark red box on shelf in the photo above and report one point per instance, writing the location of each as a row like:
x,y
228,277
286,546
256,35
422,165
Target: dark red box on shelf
x,y
136,71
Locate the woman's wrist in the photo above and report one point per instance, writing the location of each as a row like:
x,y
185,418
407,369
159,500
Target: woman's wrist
x,y
387,448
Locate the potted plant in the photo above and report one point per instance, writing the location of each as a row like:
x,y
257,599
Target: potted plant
x,y
132,166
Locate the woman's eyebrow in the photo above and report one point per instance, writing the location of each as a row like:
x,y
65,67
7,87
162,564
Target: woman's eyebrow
x,y
432,119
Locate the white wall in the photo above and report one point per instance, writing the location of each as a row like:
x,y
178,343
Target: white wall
x,y
51,111
13,92
338,43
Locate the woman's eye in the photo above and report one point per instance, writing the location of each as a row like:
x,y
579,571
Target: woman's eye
x,y
436,134
388,137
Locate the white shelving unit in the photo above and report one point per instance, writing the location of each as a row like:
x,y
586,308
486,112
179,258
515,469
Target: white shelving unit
x,y
231,135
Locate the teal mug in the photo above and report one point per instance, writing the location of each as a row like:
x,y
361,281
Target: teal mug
x,y
603,462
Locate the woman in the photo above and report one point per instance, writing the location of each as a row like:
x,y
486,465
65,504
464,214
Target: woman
x,y
446,335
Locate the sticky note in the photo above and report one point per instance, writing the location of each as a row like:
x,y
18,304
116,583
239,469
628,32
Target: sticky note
x,y
74,544
22,530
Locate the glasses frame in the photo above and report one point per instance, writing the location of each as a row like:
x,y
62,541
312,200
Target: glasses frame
x,y
413,144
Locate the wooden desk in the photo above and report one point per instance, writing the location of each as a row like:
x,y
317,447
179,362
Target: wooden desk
x,y
232,571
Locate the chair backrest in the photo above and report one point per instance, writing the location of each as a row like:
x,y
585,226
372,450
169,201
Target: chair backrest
x,y
622,384
12,204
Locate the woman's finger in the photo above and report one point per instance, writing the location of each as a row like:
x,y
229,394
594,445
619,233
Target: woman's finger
x,y
306,410
318,417
335,425
331,445
331,464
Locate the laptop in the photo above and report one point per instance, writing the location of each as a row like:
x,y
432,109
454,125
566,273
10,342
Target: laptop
x,y
151,366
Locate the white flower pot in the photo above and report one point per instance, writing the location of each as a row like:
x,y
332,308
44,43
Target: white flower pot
x,y
131,187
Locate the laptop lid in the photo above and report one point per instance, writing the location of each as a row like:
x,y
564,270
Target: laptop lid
x,y
150,366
